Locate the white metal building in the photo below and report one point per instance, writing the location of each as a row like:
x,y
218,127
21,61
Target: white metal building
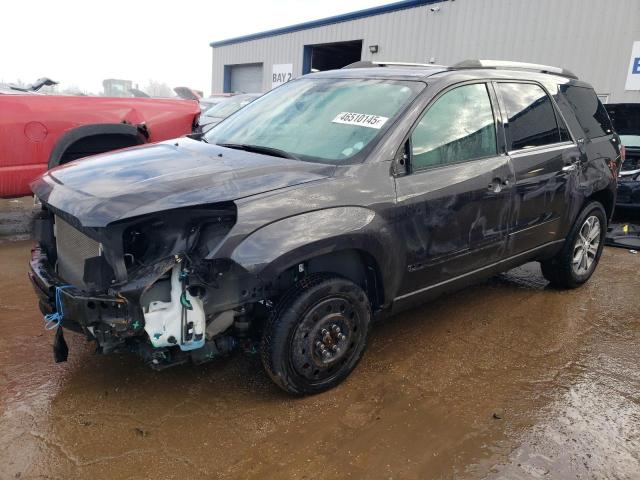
x,y
592,38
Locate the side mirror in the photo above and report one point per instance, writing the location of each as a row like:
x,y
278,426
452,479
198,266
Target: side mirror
x,y
401,161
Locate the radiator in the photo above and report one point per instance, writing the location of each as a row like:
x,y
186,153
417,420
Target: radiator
x,y
73,248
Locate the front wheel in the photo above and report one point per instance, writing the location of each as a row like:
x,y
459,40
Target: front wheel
x,y
316,335
581,252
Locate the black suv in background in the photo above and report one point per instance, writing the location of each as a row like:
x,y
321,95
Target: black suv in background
x,y
626,123
333,199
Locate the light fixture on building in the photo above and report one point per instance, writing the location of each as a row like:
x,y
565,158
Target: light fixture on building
x,y
373,48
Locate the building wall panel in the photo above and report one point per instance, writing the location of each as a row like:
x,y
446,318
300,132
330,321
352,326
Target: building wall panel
x,y
589,37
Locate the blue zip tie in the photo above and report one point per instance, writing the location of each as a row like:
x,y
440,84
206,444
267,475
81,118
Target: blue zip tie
x,y
54,320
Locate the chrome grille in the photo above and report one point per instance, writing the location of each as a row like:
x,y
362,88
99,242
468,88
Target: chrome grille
x,y
73,248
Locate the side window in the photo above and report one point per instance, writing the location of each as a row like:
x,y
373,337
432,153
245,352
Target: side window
x,y
532,121
591,114
564,131
458,127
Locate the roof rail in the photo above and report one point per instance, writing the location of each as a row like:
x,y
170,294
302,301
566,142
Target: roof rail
x,y
370,64
508,65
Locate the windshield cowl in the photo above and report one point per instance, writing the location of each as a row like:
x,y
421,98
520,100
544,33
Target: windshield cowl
x,y
260,149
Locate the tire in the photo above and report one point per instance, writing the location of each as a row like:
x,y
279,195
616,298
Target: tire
x,y
570,268
316,335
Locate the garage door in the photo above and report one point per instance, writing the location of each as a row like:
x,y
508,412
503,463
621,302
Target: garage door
x,y
245,78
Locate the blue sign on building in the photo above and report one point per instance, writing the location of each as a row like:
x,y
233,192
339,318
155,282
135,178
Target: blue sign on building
x,y
633,73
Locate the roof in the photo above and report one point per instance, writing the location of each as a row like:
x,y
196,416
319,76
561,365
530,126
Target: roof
x,y
438,72
394,72
369,12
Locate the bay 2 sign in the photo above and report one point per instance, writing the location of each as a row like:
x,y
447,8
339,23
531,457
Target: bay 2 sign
x,y
282,73
633,74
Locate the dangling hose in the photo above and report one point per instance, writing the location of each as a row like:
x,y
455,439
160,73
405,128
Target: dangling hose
x,y
185,303
54,320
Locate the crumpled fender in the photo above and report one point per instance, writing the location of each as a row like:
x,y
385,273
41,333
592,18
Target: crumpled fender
x,y
272,249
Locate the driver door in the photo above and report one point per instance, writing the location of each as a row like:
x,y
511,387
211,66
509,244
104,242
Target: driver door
x,y
455,199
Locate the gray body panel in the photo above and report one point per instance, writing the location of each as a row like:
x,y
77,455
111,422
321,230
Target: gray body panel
x,y
424,232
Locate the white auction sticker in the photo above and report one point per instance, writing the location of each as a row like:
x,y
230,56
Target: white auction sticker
x,y
361,119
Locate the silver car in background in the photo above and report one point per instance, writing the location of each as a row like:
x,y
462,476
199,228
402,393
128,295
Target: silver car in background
x,y
211,117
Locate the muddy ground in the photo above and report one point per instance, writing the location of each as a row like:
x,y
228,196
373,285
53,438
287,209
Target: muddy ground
x,y
508,379
16,218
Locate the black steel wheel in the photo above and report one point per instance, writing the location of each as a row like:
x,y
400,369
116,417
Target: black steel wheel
x,y
316,335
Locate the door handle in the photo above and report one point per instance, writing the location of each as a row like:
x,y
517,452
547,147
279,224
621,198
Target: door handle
x,y
570,168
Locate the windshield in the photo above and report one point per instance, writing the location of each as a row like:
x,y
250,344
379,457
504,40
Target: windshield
x,y
229,106
325,120
630,140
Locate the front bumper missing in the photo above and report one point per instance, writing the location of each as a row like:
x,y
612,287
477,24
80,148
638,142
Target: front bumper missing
x,y
102,317
115,320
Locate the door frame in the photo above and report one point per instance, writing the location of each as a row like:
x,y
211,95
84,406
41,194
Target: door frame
x,y
561,145
401,167
400,170
505,119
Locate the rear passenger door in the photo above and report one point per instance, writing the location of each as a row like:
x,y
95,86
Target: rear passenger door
x,y
454,200
543,157
595,137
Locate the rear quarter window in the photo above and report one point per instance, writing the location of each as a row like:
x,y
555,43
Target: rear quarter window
x,y
589,111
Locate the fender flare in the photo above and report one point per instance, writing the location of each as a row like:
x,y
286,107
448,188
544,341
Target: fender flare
x,y
272,249
78,133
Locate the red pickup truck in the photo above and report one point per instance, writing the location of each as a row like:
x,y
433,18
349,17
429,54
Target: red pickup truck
x,y
38,132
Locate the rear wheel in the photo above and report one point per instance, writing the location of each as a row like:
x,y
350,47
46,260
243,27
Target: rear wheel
x,y
581,252
316,335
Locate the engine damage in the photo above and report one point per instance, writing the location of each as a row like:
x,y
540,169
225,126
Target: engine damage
x,y
150,285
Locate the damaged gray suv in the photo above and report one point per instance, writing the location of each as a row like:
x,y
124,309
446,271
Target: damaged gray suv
x,y
335,199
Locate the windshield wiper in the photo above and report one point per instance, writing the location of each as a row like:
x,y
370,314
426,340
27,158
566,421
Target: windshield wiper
x,y
275,152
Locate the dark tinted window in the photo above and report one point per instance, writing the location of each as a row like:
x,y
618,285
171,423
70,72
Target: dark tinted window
x,y
564,134
458,127
589,111
532,121
564,131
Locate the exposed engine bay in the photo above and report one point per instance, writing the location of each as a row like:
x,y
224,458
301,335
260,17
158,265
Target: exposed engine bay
x,y
150,285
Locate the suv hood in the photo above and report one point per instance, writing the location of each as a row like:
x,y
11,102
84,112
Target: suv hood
x,y
180,173
187,93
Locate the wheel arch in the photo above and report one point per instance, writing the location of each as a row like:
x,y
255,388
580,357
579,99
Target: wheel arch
x,y
126,135
353,264
606,197
348,241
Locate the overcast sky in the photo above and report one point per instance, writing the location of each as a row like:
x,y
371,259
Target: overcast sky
x,y
81,42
